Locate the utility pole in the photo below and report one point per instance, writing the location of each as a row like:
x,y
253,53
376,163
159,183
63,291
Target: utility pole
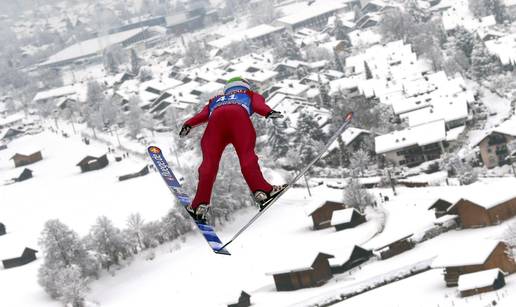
x,y
392,182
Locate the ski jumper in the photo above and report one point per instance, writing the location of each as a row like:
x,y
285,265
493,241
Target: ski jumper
x,y
229,122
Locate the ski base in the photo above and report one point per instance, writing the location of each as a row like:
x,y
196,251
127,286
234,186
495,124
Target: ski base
x,y
175,187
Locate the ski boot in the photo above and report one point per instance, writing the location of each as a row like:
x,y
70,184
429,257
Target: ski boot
x,y
263,199
199,214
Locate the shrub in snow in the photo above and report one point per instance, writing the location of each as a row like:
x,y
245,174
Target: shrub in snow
x,y
150,255
145,74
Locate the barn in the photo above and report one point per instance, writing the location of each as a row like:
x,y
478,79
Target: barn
x,y
22,160
25,174
313,276
441,207
27,256
90,163
396,247
485,212
355,257
144,171
2,229
481,282
321,217
474,256
347,218
243,301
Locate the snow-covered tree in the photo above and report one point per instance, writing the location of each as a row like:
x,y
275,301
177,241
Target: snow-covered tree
x,y
357,197
237,49
396,24
145,74
108,242
174,224
135,224
278,140
136,118
482,8
463,170
324,93
72,285
359,161
464,40
113,58
136,62
263,12
286,47
195,53
483,63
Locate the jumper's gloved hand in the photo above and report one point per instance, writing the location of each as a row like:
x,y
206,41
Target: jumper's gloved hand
x,y
274,114
184,131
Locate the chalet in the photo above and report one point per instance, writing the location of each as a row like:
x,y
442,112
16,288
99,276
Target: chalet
x,y
313,276
321,216
474,257
90,163
347,218
2,229
481,282
493,146
25,174
355,257
396,247
414,145
27,256
144,171
313,16
243,301
22,160
485,211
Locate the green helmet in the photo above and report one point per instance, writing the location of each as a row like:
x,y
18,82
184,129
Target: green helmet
x,y
237,81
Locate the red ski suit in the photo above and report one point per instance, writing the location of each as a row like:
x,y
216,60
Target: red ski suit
x,y
229,124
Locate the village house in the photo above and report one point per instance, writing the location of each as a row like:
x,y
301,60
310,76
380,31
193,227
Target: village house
x,y
261,35
485,211
475,256
22,160
355,256
505,49
27,256
396,247
243,301
318,273
414,145
313,16
321,217
90,163
347,218
481,282
493,146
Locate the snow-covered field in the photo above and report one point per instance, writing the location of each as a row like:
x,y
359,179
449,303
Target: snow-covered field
x,y
186,272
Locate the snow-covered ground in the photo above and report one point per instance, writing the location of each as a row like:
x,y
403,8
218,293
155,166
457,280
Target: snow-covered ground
x,y
185,269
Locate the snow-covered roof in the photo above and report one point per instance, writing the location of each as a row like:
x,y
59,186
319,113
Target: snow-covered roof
x,y
365,37
311,11
449,111
56,92
92,46
343,84
248,34
508,127
504,47
161,84
347,137
466,253
342,216
478,280
296,264
11,119
418,135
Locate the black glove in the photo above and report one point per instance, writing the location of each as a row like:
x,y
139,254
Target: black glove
x,y
274,114
184,131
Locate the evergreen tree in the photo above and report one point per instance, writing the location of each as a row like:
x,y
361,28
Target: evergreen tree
x,y
464,40
286,47
135,62
483,63
278,140
108,243
369,74
145,74
340,32
324,96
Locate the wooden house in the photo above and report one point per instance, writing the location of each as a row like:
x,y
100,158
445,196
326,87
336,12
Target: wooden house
x,y
90,163
347,218
494,145
321,216
484,213
396,247
27,256
441,207
355,257
472,257
25,174
243,301
2,229
313,276
22,160
144,171
481,282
